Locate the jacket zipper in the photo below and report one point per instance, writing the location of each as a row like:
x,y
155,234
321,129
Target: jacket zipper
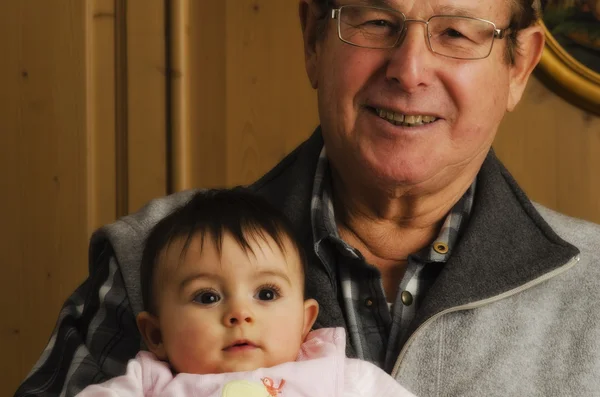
x,y
483,302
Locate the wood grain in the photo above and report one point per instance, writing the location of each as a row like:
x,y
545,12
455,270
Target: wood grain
x,y
553,150
43,123
146,106
270,106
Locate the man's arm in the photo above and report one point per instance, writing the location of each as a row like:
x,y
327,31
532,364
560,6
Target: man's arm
x,y
94,337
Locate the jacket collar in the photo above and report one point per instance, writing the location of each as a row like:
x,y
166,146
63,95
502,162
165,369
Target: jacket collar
x,y
505,244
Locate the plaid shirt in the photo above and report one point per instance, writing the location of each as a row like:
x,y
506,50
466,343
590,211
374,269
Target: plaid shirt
x,y
377,333
96,333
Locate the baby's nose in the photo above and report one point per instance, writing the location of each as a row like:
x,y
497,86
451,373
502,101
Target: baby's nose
x,y
238,314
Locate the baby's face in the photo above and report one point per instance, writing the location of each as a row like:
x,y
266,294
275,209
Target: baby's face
x,y
232,312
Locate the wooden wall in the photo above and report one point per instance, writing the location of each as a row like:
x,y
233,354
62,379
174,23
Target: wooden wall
x,y
83,120
553,150
82,141
43,173
251,100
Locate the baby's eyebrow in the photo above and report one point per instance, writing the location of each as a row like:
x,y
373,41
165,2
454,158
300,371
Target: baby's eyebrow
x,y
274,273
209,276
195,276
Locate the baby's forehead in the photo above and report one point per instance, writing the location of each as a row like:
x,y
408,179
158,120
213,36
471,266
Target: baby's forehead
x,y
191,250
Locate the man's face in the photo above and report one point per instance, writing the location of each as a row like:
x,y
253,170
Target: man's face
x,y
466,98
232,312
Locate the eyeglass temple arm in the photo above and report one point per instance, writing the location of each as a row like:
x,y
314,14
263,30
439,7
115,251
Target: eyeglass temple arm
x,y
501,33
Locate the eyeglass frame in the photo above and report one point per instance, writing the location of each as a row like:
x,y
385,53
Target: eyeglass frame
x,y
497,33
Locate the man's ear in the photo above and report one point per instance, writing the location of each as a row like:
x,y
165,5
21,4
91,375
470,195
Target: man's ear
x,y
149,327
308,12
311,311
527,55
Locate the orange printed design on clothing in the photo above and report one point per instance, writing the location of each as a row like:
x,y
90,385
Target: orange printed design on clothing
x,y
271,388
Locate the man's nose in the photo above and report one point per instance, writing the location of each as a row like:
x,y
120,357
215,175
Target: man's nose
x,y
238,313
410,61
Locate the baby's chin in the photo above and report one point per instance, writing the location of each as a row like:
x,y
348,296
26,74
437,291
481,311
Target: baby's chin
x,y
243,366
246,366
248,361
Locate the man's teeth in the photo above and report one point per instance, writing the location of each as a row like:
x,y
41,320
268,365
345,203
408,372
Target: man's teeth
x,y
400,119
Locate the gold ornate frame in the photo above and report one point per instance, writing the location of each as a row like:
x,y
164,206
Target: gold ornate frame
x,y
568,77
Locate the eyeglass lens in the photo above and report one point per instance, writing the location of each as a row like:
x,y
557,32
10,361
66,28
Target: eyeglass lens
x,y
453,36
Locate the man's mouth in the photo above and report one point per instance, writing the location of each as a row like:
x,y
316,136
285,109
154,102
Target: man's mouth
x,y
403,119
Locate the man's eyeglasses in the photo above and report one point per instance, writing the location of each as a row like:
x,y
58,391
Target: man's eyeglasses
x,y
448,35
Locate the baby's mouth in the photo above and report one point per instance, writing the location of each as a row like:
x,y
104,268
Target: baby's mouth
x,y
240,345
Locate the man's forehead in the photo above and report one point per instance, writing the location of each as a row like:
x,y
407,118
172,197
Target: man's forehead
x,y
477,9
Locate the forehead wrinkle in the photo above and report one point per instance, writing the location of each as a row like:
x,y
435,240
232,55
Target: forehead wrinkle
x,y
457,11
374,3
474,10
442,7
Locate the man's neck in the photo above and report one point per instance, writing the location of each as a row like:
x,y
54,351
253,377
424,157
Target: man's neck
x,y
386,229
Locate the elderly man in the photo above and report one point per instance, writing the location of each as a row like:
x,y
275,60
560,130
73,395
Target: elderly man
x,y
420,243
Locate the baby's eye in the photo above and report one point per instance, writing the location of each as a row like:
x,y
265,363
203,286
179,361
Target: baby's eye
x,y
267,294
207,298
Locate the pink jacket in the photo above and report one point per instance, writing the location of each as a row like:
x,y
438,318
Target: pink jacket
x,y
321,369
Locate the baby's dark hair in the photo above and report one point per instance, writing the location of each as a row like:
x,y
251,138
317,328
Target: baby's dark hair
x,y
213,213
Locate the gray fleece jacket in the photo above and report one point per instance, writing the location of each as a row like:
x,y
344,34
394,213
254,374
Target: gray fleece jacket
x,y
514,312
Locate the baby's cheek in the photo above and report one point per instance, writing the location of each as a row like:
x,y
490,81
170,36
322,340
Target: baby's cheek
x,y
190,349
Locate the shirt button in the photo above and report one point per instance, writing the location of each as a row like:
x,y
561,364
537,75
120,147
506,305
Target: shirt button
x,y
368,302
440,247
407,298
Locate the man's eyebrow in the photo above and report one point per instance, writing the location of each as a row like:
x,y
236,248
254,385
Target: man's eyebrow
x,y
374,3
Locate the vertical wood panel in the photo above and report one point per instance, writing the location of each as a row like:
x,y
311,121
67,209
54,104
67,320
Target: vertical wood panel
x,y
146,110
179,94
250,98
100,86
44,144
207,93
121,108
12,192
553,150
270,106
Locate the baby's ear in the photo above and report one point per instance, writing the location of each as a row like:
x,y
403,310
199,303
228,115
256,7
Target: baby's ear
x,y
149,327
311,311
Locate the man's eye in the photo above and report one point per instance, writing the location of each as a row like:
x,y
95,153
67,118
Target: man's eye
x,y
381,24
267,294
207,298
453,33
378,22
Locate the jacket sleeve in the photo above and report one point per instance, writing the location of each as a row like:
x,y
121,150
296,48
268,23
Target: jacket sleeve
x,y
94,337
362,378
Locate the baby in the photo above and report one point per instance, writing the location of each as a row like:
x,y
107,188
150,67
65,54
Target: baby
x,y
225,314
